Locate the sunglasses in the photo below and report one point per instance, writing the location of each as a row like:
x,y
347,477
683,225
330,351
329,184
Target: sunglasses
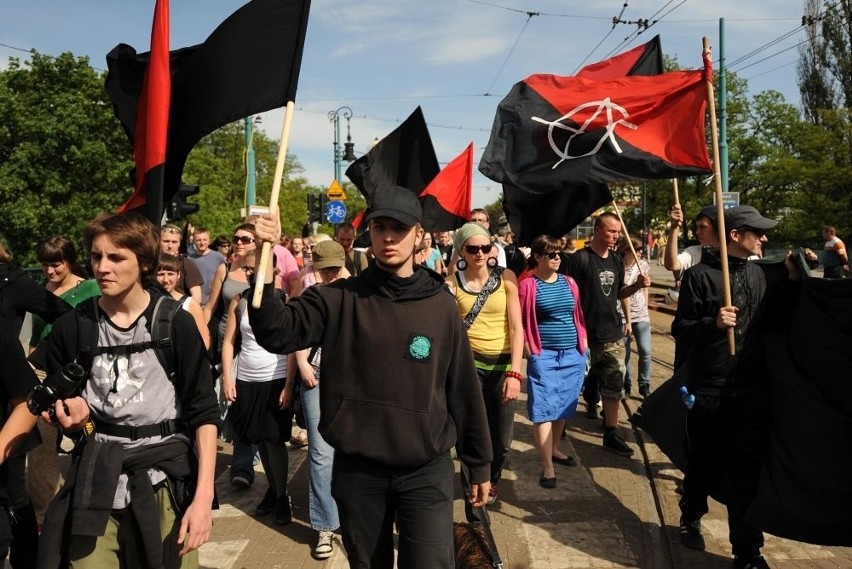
x,y
248,270
244,239
552,255
474,249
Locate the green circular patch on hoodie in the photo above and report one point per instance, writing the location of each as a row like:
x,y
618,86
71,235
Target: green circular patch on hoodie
x,y
420,347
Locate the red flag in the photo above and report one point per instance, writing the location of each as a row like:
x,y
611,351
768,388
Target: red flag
x,y
446,200
152,121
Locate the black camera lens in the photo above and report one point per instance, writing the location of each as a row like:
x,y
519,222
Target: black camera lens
x,y
67,381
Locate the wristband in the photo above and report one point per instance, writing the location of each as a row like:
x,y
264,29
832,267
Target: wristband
x,y
514,375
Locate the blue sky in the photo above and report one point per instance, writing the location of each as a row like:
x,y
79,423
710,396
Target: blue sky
x,y
382,58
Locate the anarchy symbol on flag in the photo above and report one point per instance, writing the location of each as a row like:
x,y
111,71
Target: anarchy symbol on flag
x,y
606,106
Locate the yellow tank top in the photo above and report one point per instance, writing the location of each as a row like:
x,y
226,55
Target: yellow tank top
x,y
489,334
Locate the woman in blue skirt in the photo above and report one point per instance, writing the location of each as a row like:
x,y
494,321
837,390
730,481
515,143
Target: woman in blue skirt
x,y
555,341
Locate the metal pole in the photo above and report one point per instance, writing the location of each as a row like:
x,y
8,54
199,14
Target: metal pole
x,y
250,167
723,108
334,117
336,146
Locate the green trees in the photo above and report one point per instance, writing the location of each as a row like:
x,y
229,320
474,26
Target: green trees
x,y
63,157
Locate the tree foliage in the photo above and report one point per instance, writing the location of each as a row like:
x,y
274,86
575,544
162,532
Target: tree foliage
x,y
63,156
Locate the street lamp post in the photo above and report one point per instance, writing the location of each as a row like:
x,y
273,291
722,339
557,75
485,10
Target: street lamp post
x,y
348,147
250,121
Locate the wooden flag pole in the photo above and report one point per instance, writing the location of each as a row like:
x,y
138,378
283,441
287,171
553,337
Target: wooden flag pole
x,y
626,235
260,271
717,177
677,197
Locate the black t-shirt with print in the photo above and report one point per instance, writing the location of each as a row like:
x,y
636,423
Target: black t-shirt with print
x,y
600,280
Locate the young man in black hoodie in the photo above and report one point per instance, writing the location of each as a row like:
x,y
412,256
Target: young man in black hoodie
x,y
728,424
398,393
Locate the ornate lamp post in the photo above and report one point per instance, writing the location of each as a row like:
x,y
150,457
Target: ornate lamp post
x,y
348,146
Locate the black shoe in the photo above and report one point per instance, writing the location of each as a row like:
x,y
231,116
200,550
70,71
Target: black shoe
x,y
592,412
644,391
549,483
754,562
266,505
567,461
283,511
690,534
612,441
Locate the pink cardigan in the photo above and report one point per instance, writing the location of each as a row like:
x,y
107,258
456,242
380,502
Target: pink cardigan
x,y
526,289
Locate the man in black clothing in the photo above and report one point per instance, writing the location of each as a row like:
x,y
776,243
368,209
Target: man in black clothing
x,y
599,272
399,391
727,426
16,380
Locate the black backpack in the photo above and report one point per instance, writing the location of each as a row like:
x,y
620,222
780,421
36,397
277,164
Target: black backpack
x,y
161,329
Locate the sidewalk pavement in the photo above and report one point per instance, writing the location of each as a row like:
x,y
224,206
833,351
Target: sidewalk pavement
x,y
606,512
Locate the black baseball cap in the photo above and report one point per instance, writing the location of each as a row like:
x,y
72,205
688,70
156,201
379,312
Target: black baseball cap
x,y
747,216
397,203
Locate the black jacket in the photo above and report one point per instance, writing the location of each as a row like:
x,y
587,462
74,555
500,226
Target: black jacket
x,y
398,380
701,345
20,294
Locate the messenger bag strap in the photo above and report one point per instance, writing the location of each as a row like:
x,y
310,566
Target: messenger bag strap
x,y
489,287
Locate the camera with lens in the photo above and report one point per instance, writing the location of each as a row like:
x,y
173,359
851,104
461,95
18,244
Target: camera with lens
x,y
66,383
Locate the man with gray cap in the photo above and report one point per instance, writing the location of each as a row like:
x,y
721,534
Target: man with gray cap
x,y
399,392
727,426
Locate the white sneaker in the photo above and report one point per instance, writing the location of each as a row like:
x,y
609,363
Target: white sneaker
x,y
325,545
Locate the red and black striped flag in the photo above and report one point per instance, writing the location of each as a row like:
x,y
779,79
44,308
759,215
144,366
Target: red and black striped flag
x,y
152,122
248,65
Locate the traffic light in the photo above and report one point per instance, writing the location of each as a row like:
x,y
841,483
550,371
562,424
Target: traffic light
x,y
316,208
179,208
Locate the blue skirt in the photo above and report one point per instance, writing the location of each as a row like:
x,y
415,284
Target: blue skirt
x,y
554,379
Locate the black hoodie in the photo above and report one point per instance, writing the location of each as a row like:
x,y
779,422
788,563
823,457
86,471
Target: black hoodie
x,y
700,344
398,380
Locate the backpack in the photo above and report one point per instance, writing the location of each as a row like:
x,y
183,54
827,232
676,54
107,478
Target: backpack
x,y
161,329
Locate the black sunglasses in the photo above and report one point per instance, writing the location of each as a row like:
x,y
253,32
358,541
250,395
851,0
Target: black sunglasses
x,y
552,255
474,249
244,239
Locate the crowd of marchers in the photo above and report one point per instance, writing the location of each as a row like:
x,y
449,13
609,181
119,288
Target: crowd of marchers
x,y
139,362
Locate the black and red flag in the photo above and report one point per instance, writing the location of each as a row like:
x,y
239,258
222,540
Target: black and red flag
x,y
552,130
446,200
556,211
152,121
248,65
645,59
405,157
